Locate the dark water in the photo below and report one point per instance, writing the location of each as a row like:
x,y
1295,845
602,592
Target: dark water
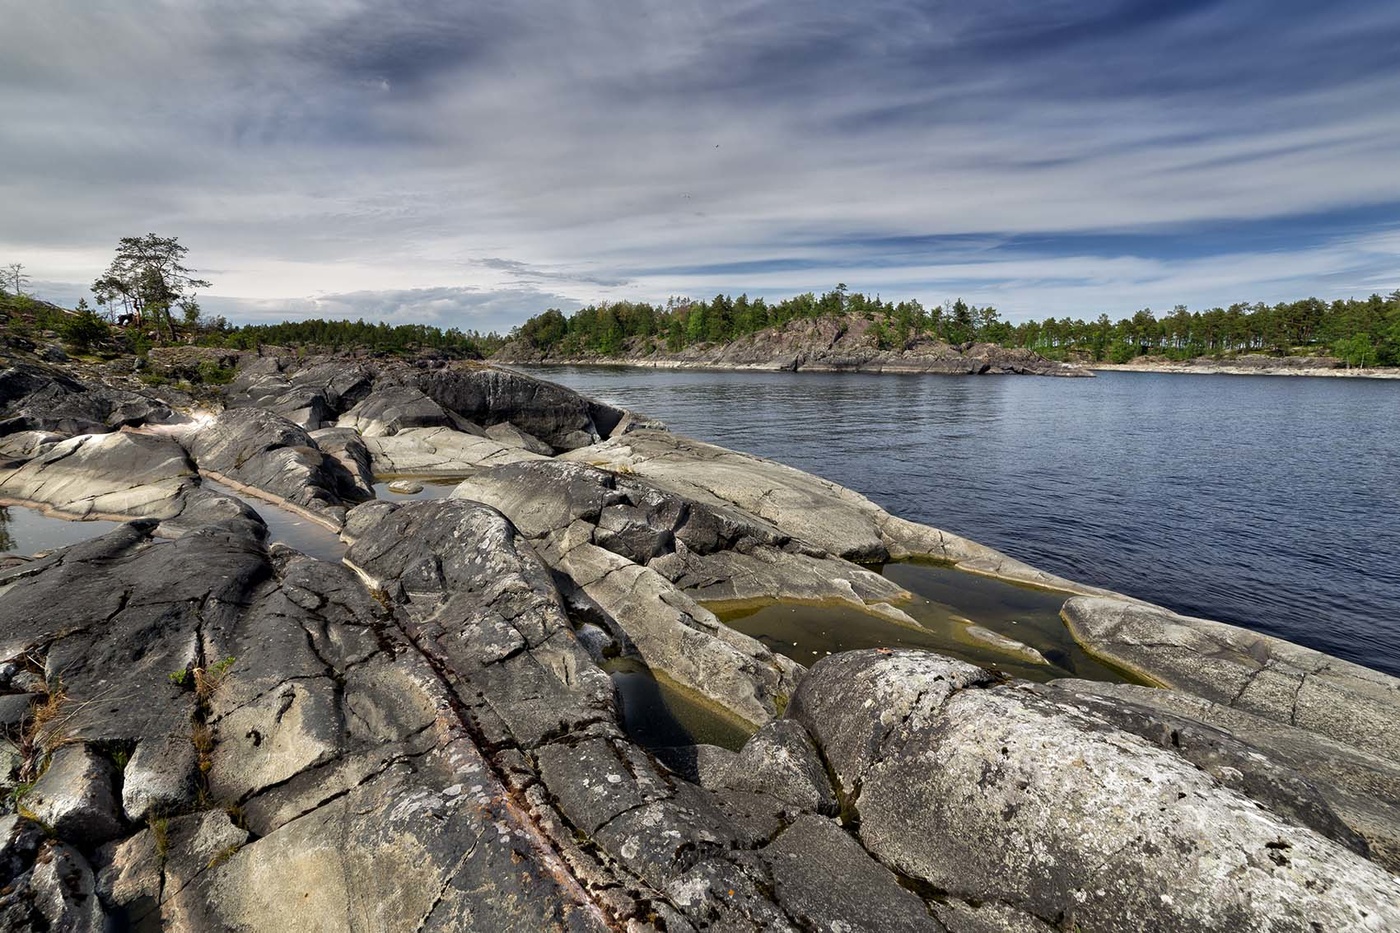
x,y
659,714
1268,502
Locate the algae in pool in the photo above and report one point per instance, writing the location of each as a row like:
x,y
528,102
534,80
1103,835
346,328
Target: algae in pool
x,y
959,614
659,714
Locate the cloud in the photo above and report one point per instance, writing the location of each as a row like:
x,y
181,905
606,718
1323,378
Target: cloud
x,y
517,155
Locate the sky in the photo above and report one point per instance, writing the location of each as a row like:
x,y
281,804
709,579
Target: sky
x,y
469,164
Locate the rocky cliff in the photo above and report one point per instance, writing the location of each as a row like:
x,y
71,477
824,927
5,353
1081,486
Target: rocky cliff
x,y
847,343
208,731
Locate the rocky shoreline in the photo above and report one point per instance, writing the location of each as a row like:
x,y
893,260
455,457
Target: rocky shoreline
x,y
206,731
826,345
1252,365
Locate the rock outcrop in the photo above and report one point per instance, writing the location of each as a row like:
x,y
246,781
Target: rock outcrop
x,y
252,447
836,343
36,397
1002,793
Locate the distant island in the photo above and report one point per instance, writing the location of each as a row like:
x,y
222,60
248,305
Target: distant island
x,y
850,331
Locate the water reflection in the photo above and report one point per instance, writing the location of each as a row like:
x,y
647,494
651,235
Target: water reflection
x,y
287,527
26,531
659,714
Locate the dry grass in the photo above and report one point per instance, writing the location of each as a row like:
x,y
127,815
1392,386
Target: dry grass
x,y
203,738
208,680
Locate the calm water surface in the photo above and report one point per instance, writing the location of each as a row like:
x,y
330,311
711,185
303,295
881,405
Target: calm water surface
x,y
1268,502
28,531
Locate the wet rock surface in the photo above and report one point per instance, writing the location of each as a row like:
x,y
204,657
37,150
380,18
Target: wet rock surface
x,y
203,731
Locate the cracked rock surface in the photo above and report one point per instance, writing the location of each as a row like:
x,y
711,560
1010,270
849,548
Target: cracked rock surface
x,y
205,731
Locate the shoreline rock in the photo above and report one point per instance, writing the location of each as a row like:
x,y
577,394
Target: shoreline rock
x,y
1252,365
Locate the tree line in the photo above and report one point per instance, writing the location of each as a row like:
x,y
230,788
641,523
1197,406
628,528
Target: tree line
x,y
606,328
1362,332
148,296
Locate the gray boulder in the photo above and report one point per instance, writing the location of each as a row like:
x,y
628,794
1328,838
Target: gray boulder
x,y
826,881
861,697
161,776
781,762
996,793
44,884
346,447
1312,778
511,436
255,448
387,411
477,592
486,396
438,452
1266,676
306,395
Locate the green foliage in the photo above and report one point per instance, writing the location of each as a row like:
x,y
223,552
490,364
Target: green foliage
x,y
359,335
211,373
1121,353
1356,350
1308,326
179,678
1355,330
148,280
83,328
612,329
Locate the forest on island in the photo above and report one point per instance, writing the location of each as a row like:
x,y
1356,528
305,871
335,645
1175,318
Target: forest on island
x,y
147,296
1361,332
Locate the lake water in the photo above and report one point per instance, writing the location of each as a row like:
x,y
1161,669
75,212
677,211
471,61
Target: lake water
x,y
1267,502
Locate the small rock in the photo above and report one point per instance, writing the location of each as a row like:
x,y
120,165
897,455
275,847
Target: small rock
x,y
64,892
160,777
74,796
406,487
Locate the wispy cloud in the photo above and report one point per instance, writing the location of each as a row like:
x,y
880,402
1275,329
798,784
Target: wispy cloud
x,y
474,162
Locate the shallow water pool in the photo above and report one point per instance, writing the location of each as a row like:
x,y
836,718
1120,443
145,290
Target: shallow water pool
x,y
659,714
27,531
958,614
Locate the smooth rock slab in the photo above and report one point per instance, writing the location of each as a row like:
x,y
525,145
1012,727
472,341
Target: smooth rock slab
x,y
159,777
1266,676
851,703
439,451
255,447
781,762
136,475
387,411
1004,796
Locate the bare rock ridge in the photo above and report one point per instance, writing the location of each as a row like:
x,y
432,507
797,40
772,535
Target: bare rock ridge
x,y
846,343
207,731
